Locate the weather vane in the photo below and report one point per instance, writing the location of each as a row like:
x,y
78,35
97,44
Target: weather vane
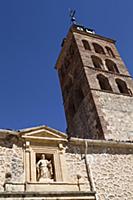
x,y
72,15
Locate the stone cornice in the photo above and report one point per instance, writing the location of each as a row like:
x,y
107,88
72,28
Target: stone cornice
x,y
111,143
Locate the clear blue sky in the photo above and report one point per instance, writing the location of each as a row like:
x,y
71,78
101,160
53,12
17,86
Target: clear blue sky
x,y
31,32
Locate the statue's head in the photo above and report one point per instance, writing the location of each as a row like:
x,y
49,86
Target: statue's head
x,y
43,156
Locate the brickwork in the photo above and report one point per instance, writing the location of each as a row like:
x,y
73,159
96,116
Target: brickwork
x,y
87,113
86,55
101,70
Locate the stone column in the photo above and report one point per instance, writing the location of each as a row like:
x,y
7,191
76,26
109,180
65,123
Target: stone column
x,y
27,162
64,173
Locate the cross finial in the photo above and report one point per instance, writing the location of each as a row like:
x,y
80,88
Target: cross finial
x,y
72,15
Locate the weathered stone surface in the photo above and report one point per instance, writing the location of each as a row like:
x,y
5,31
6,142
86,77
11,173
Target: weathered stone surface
x,y
116,113
11,161
96,112
87,113
111,170
106,168
48,195
76,167
113,175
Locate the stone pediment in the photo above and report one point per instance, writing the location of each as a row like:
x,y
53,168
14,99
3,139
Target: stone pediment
x,y
43,133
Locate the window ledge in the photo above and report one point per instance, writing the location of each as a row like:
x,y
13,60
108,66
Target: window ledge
x,y
111,92
109,72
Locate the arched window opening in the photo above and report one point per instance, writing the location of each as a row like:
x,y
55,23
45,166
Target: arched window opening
x,y
110,52
111,66
98,48
86,44
79,96
97,62
122,86
104,83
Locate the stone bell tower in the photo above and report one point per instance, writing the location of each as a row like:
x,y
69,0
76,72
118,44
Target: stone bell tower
x,y
96,87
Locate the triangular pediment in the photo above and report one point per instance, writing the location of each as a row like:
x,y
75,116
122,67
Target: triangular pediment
x,y
43,132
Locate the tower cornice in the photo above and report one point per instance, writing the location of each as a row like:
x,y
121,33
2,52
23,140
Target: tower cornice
x,y
89,32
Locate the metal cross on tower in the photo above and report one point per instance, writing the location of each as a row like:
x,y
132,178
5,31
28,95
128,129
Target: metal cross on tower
x,y
72,16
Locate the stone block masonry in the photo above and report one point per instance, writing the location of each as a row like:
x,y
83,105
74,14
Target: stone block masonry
x,y
116,113
11,165
110,164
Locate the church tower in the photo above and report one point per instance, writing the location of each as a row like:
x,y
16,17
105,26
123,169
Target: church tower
x,y
96,87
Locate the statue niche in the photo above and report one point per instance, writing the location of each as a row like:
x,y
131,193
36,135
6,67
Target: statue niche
x,y
44,168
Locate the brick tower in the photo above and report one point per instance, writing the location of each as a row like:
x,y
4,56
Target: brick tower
x,y
96,87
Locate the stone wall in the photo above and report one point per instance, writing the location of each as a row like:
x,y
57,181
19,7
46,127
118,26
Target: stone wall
x,y
107,168
85,122
11,163
113,176
116,112
110,167
76,168
86,54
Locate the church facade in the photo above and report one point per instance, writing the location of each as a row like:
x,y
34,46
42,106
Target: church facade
x,y
94,160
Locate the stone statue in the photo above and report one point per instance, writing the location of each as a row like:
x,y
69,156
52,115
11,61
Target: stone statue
x,y
44,170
